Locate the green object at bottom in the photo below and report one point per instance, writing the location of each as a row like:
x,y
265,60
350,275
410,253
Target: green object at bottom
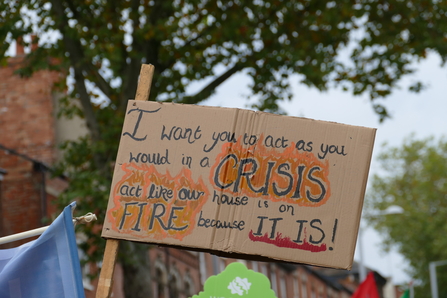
x,y
405,294
237,281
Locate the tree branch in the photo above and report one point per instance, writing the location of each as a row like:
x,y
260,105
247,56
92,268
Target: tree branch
x,y
100,82
131,68
209,89
74,48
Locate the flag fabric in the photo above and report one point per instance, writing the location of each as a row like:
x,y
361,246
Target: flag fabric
x,y
406,294
368,288
46,267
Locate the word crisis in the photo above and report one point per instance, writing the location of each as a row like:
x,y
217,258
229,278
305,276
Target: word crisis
x,y
289,175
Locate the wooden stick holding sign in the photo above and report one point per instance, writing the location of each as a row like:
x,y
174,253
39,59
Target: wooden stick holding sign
x,y
105,283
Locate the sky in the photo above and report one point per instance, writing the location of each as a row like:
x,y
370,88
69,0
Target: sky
x,y
423,114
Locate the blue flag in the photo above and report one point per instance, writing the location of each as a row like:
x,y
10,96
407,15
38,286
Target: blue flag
x,y
46,267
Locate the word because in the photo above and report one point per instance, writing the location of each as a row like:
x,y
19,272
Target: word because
x,y
220,224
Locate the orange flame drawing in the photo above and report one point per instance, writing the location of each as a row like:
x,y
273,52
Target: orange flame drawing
x,y
148,203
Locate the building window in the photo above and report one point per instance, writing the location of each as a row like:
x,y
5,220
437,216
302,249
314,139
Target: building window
x,y
221,265
282,286
273,279
173,287
203,273
296,283
187,290
160,285
215,260
264,269
303,286
255,266
160,278
312,292
174,283
189,285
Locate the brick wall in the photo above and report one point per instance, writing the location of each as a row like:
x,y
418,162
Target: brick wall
x,y
26,110
27,128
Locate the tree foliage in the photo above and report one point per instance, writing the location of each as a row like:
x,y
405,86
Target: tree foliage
x,y
101,45
415,178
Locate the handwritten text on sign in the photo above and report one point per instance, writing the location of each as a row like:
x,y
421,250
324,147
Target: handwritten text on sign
x,y
174,178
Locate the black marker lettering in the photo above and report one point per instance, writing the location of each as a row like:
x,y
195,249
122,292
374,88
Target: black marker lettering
x,y
137,124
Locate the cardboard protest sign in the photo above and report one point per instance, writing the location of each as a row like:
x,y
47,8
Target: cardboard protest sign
x,y
237,281
241,182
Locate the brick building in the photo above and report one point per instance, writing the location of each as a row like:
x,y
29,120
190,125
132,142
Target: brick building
x,y
29,135
27,147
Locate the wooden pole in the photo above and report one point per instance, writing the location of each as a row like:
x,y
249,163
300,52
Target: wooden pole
x,y
145,83
105,282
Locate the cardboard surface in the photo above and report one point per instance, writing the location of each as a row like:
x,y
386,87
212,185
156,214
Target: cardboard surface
x,y
239,181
